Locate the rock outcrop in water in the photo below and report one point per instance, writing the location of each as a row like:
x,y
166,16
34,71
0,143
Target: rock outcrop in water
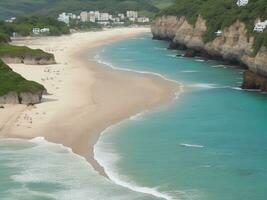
x,y
233,46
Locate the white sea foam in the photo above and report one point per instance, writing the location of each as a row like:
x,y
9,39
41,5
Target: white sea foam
x,y
160,48
206,85
108,158
191,145
218,66
71,175
138,116
100,61
172,55
189,71
199,60
39,140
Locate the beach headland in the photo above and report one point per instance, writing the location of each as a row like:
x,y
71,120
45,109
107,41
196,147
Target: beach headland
x,y
85,97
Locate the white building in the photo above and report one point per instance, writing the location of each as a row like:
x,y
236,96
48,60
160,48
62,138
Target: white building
x,y
44,30
260,26
219,33
121,16
242,2
11,20
63,17
132,19
72,16
97,15
143,20
132,14
103,17
84,16
36,31
92,16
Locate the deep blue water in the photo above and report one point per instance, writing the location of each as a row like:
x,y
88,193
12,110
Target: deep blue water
x,y
210,144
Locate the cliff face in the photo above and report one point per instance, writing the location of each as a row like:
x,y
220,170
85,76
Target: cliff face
x,y
28,60
21,98
232,45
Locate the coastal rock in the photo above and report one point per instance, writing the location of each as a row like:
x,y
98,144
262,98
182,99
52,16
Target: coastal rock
x,y
26,98
29,60
233,46
254,81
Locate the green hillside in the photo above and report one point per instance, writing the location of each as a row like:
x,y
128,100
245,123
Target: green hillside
x,y
222,13
162,3
53,7
12,81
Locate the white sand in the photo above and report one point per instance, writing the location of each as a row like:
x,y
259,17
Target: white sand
x,y
85,97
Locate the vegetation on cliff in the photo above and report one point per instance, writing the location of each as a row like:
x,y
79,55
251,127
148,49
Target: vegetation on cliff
x,y
220,14
23,25
4,38
7,50
10,81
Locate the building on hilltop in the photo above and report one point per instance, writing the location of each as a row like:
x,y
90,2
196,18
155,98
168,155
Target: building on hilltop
x,y
143,20
132,14
84,16
260,26
63,17
91,16
121,16
37,31
242,2
103,17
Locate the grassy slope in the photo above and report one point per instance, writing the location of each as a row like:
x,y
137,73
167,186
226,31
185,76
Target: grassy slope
x,y
53,7
220,14
22,52
162,3
11,81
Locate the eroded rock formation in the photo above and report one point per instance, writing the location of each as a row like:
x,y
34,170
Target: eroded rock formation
x,y
233,45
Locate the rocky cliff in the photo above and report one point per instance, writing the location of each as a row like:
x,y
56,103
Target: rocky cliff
x,y
27,98
14,89
28,60
233,45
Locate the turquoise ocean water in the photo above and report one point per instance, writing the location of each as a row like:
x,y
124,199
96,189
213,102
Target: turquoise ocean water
x,y
208,144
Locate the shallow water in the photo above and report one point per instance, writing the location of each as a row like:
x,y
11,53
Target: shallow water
x,y
209,144
39,170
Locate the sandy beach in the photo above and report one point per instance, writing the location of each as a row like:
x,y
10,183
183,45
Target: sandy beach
x,y
85,97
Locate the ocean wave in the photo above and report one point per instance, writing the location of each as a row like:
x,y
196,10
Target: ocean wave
x,y
214,86
191,145
39,140
138,117
107,158
172,55
206,85
100,61
218,66
199,60
160,48
63,176
189,71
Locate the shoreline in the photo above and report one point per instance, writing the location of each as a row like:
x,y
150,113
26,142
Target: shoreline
x,y
85,94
